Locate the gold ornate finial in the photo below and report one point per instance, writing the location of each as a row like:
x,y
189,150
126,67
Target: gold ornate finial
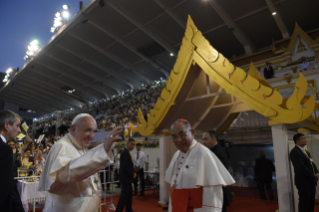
x,y
288,78
250,88
294,69
301,46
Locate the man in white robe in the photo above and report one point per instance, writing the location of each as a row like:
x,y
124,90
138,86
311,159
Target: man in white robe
x,y
70,172
195,174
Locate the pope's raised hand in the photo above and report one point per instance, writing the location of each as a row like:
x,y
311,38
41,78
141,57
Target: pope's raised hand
x,y
112,137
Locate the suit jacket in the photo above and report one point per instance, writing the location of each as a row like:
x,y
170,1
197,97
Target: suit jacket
x,y
269,72
126,174
220,152
264,169
304,175
9,196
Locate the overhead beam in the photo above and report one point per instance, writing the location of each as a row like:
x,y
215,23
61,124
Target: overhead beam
x,y
92,75
91,85
76,101
177,19
88,97
87,94
25,103
239,34
127,45
280,23
152,35
116,59
22,90
33,88
33,99
107,70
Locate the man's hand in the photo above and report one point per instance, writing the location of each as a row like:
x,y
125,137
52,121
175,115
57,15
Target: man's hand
x,y
112,137
18,158
135,175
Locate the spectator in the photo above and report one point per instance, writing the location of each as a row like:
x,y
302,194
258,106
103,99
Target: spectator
x,y
27,163
261,72
16,157
139,159
268,71
39,160
263,175
304,65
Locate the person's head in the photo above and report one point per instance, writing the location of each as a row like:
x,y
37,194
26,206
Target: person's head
x,y
262,155
210,138
182,134
138,147
300,139
17,146
28,139
9,125
83,128
303,60
130,144
12,144
27,152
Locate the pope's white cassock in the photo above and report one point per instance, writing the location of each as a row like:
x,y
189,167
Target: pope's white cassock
x,y
196,179
70,177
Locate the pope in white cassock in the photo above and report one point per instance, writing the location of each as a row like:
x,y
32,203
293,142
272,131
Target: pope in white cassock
x,y
195,174
70,172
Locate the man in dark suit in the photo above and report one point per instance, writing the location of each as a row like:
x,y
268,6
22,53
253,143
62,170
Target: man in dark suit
x,y
263,175
9,197
16,158
211,141
126,176
268,71
306,174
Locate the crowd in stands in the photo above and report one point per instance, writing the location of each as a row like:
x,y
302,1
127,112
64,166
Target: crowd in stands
x,y
119,110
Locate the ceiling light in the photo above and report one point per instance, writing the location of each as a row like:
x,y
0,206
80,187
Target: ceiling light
x,y
274,13
9,70
66,14
172,54
65,7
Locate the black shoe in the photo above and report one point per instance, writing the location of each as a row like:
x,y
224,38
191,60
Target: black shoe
x,y
142,194
118,187
134,194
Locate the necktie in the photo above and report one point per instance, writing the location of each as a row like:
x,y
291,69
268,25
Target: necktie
x,y
309,160
138,155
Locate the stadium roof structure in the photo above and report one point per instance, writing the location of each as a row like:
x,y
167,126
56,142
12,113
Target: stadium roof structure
x,y
112,46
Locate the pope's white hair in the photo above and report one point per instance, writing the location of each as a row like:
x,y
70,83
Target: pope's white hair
x,y
79,117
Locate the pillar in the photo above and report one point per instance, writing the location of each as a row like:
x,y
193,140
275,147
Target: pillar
x,y
167,150
285,188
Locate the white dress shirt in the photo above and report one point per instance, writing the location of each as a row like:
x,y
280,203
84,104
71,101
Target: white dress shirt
x,y
141,159
3,138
